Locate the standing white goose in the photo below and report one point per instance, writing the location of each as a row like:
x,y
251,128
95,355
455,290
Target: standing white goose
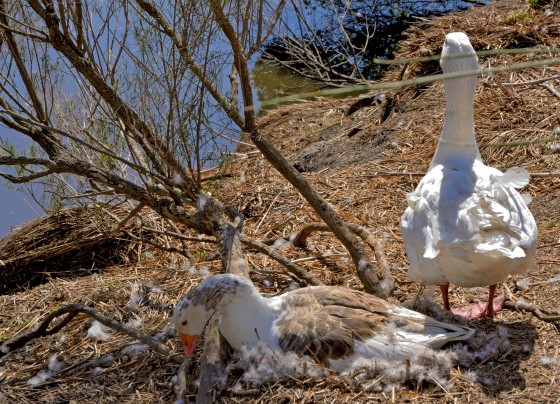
x,y
465,223
333,325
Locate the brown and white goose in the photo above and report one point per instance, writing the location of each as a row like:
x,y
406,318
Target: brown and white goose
x,y
334,325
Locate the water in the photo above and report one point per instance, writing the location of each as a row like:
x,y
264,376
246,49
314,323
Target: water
x,y
17,206
390,19
272,80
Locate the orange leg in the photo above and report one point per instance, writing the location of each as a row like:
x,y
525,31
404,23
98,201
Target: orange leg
x,y
487,309
445,296
493,306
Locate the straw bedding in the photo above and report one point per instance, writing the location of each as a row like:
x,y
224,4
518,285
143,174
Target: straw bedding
x,y
365,187
69,242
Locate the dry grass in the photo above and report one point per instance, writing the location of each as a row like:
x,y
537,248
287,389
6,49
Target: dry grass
x,y
356,174
69,242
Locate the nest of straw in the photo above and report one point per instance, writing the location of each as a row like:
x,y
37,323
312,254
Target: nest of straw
x,y
364,187
69,242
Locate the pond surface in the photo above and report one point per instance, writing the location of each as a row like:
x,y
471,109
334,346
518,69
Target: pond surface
x,y
273,80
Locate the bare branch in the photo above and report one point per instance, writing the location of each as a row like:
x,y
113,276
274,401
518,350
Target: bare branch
x,y
232,255
70,311
261,38
157,245
139,128
412,174
130,215
531,82
181,384
228,107
363,265
306,231
27,178
551,88
20,160
296,270
213,362
181,236
373,242
37,105
541,314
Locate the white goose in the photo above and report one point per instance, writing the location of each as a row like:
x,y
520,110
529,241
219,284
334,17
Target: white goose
x,y
465,223
333,325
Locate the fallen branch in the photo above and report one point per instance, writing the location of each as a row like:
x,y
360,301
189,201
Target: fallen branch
x,y
181,385
157,245
545,175
373,243
542,314
300,238
387,174
397,174
294,269
181,236
216,350
41,331
70,311
267,212
213,362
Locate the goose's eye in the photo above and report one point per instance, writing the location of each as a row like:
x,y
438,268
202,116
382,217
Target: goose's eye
x,y
184,322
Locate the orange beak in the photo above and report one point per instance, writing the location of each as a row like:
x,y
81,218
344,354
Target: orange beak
x,y
189,342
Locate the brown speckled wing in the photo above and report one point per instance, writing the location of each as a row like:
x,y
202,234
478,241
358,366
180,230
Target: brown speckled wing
x,y
339,296
325,323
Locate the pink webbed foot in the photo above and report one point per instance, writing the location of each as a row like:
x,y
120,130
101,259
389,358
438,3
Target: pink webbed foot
x,y
483,309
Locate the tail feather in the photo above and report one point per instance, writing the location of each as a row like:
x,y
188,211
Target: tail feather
x,y
431,332
517,177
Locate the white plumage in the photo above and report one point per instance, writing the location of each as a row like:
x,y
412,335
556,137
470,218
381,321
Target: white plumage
x,y
466,224
335,326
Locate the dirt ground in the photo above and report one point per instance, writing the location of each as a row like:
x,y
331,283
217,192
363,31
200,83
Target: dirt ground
x,y
363,163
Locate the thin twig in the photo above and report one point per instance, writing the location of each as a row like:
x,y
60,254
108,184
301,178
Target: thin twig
x,y
70,311
298,271
531,82
157,245
409,82
267,211
550,88
397,174
180,236
132,213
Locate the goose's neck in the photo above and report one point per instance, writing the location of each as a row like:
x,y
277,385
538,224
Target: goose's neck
x,y
458,127
458,135
247,319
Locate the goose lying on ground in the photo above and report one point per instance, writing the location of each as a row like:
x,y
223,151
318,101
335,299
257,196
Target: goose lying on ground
x,y
465,223
334,325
